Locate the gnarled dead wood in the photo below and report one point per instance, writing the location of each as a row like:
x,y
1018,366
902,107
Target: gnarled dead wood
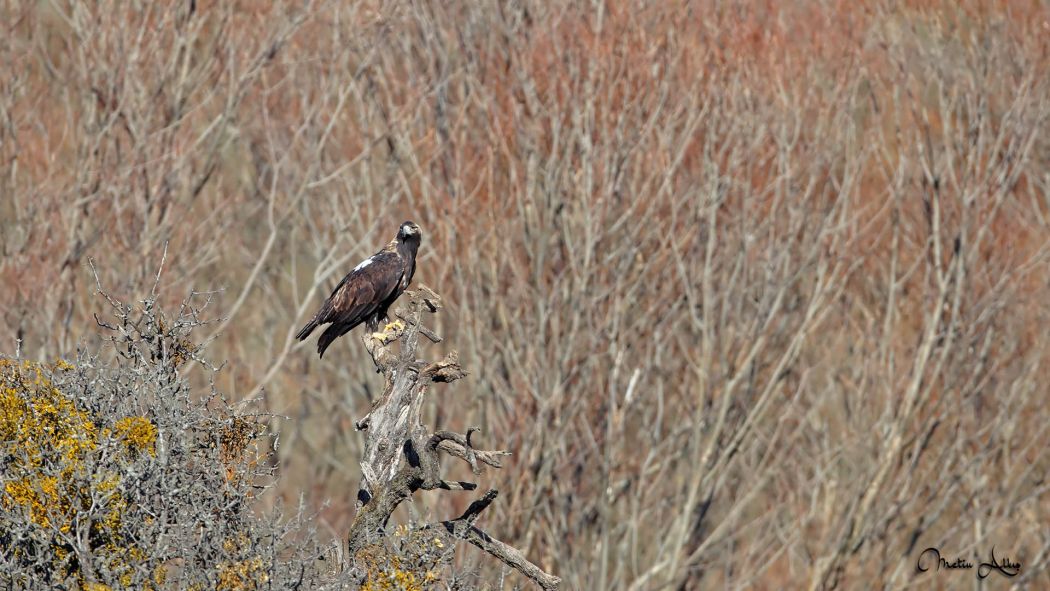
x,y
401,454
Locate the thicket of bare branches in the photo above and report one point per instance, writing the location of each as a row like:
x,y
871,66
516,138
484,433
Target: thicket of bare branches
x,y
760,287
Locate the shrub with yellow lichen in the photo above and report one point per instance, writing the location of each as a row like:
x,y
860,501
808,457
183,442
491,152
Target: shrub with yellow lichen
x,y
116,474
51,474
42,431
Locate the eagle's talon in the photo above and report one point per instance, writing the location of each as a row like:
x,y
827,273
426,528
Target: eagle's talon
x,y
395,325
380,336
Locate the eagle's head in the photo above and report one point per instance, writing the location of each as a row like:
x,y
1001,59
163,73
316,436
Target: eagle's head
x,y
409,231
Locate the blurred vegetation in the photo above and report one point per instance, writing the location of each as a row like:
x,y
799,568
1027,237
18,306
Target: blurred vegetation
x,y
754,291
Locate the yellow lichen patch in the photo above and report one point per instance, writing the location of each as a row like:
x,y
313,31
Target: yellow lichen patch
x,y
41,497
114,515
137,433
392,579
160,575
386,571
232,545
244,575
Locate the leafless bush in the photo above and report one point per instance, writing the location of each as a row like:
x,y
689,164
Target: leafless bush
x,y
118,475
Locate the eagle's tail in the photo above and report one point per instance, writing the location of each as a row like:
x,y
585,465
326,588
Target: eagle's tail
x,y
333,332
306,330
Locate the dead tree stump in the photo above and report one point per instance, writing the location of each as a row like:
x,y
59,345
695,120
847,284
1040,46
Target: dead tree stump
x,y
401,454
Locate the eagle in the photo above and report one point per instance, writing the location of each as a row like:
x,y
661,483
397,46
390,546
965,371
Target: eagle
x,y
366,293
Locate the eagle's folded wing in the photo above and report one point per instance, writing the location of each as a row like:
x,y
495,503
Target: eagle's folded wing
x,y
357,297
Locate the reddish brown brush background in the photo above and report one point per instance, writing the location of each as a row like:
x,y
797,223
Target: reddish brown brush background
x,y
756,292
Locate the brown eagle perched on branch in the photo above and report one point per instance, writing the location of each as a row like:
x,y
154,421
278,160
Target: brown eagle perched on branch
x,y
366,293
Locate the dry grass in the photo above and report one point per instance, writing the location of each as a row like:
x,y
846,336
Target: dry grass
x,y
764,282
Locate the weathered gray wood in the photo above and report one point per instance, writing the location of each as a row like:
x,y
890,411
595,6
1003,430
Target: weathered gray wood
x,y
401,454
